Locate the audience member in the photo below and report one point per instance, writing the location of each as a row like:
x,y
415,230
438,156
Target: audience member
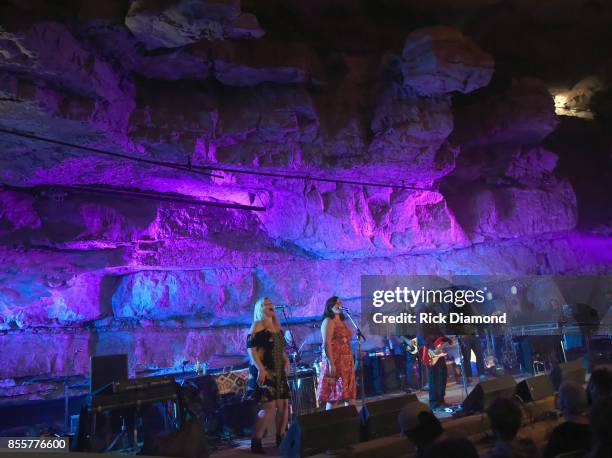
x,y
420,426
574,433
601,415
505,417
600,383
452,448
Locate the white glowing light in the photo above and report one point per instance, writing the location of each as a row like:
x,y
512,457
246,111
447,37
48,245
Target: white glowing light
x,y
560,101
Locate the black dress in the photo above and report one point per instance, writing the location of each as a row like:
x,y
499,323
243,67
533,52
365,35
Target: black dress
x,y
275,386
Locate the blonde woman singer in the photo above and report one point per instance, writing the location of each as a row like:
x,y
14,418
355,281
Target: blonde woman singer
x,y
268,371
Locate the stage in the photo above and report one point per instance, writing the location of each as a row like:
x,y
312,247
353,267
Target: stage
x,y
539,418
389,446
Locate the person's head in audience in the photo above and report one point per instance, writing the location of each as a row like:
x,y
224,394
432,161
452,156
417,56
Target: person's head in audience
x,y
505,417
572,400
420,425
600,417
600,383
452,448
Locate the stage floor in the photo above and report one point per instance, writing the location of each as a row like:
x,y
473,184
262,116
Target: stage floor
x,y
455,394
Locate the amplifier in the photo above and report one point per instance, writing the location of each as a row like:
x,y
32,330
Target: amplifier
x,y
304,390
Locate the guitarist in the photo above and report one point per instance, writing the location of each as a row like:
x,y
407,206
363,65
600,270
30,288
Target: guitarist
x,y
433,356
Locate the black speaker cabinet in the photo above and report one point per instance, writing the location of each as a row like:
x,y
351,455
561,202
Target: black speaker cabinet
x,y
106,369
382,416
389,366
316,432
572,370
236,417
371,376
485,392
535,388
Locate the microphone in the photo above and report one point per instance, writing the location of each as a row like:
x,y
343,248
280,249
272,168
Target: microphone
x,y
344,309
281,307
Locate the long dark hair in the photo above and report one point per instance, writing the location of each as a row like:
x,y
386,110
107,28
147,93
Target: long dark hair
x,y
329,305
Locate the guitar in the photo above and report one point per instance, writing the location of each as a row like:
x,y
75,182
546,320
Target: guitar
x,y
431,356
411,345
490,360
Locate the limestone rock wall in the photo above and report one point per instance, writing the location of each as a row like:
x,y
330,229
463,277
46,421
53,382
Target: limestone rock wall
x,y
162,317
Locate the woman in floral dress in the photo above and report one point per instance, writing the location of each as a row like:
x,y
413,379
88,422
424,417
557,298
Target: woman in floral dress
x,y
337,376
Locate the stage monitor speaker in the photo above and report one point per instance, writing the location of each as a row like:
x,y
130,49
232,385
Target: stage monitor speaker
x,y
535,388
106,369
486,391
316,432
572,370
381,418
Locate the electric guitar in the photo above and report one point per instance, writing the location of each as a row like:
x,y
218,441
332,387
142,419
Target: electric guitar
x,y
490,360
411,345
431,356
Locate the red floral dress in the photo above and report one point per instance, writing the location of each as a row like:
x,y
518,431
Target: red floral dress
x,y
342,386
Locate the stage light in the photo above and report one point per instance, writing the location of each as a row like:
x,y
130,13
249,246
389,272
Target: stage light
x,y
560,101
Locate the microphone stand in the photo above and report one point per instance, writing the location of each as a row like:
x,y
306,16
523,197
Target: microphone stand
x,y
296,357
360,336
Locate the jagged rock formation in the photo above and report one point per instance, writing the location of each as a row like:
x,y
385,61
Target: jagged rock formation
x,y
390,145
